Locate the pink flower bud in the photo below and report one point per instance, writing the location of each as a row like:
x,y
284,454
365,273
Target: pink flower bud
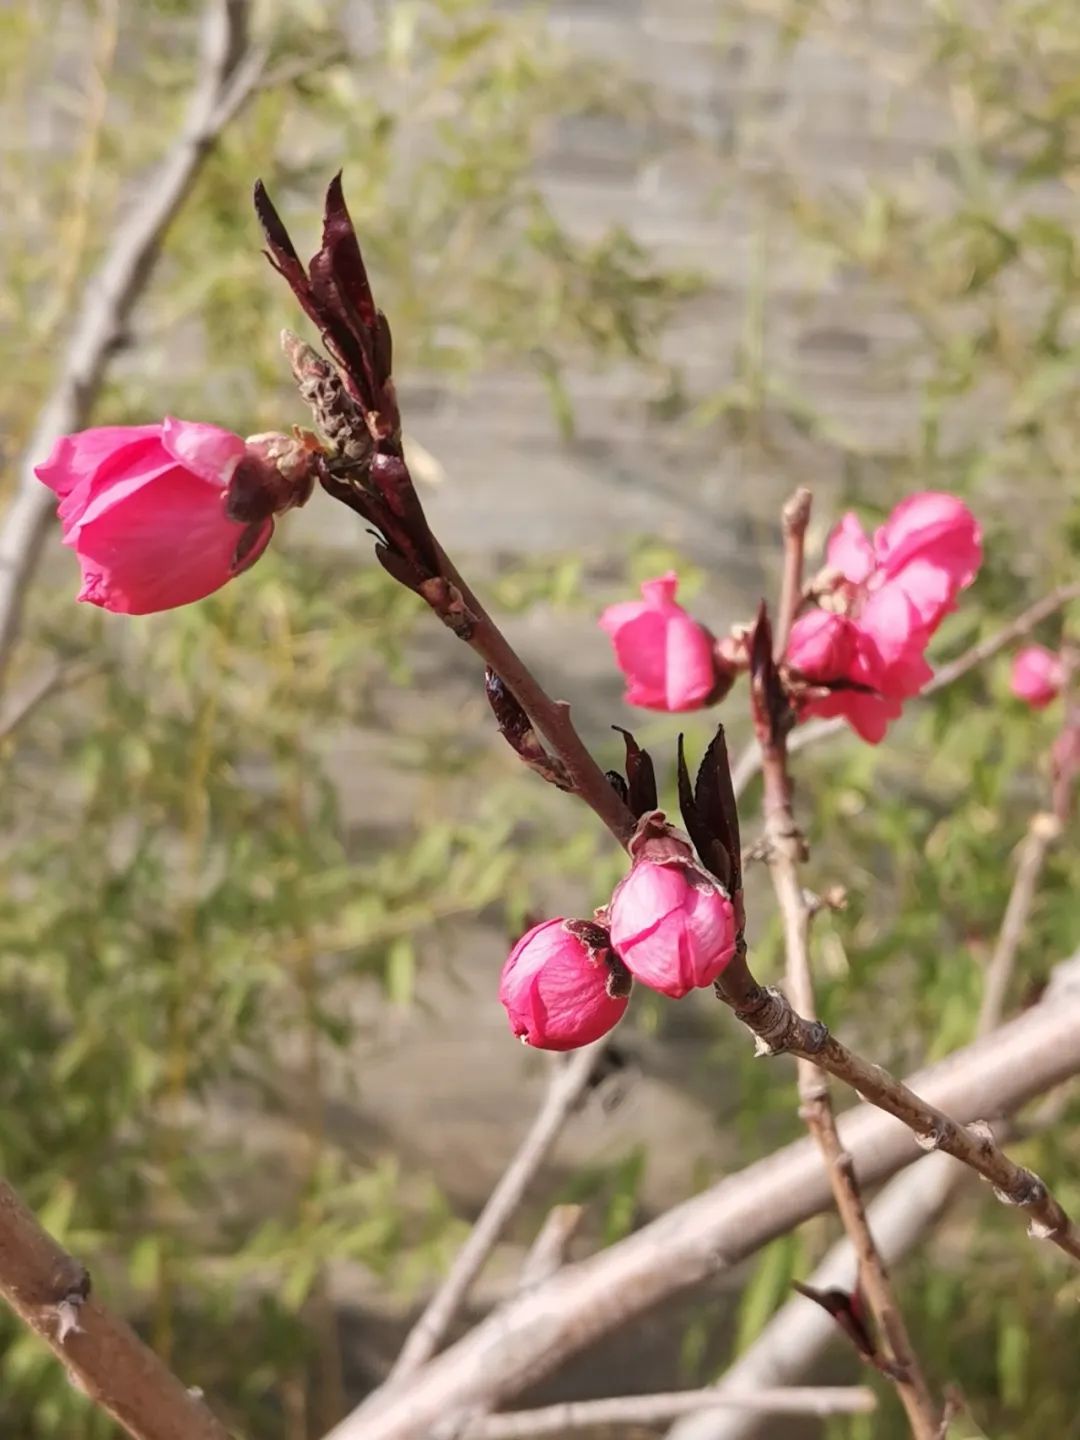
x,y
822,646
1037,676
561,985
144,509
668,658
672,925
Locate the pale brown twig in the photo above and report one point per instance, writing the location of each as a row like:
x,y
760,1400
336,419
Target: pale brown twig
x,y
533,1334
565,1090
1043,829
59,677
548,1251
906,1208
780,1029
784,850
796,517
655,1409
49,1291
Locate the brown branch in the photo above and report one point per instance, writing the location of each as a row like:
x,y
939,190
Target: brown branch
x,y
104,1358
796,517
568,1084
655,1409
533,1334
785,849
779,1029
749,762
906,1208
227,73
551,717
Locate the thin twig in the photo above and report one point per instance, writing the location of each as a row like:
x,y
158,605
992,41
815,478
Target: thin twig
x,y
548,1251
228,71
655,1409
780,1029
26,701
50,1292
900,1216
532,1335
906,1208
749,762
565,1090
796,517
1043,830
785,849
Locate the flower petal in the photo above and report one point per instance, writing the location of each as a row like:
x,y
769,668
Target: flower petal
x,y
849,550
75,459
166,545
206,450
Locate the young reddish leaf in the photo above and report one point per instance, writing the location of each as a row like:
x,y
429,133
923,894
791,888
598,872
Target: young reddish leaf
x,y
714,802
640,775
712,854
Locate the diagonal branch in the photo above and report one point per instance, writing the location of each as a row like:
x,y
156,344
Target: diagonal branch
x,y
904,1211
229,68
568,1084
532,1335
50,1292
780,1029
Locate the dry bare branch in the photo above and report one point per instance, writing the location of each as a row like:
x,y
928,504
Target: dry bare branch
x,y
533,1334
900,1216
568,1084
50,1292
784,850
655,1409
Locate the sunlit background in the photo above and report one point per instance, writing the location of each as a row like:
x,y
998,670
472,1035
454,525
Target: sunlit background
x,y
648,263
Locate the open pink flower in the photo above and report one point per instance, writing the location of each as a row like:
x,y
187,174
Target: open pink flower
x,y
1037,676
892,594
672,925
668,658
143,507
561,985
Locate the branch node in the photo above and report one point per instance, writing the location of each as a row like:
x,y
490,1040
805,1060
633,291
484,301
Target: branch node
x,y
66,1313
1029,1190
930,1139
1042,1230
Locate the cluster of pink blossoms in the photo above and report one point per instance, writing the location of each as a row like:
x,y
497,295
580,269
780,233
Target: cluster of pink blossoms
x,y
669,924
858,652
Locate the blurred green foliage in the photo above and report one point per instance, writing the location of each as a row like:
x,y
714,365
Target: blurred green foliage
x,y
190,924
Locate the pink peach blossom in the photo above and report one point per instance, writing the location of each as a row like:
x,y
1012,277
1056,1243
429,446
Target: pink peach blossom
x,y
143,507
867,649
1037,676
672,925
667,657
557,984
